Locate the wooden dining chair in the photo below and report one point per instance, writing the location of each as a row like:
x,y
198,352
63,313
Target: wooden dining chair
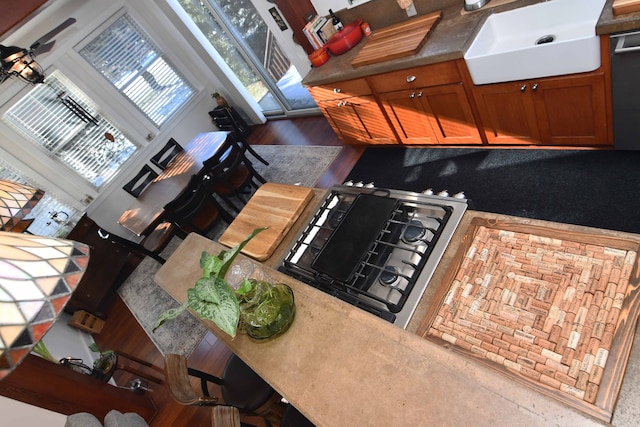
x,y
226,416
151,245
195,210
229,416
239,386
139,182
232,176
227,119
170,150
248,148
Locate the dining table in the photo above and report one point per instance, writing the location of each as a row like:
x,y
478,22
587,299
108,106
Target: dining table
x,y
147,210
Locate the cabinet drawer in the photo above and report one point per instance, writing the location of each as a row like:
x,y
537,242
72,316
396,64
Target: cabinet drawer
x,y
412,78
339,90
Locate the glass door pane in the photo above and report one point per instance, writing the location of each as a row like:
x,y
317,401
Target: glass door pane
x,y
242,38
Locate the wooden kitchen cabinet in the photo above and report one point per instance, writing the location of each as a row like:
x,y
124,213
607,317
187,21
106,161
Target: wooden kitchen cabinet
x,y
563,111
353,112
425,105
428,105
432,115
294,11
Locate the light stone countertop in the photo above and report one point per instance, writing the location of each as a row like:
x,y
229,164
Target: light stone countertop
x,y
341,366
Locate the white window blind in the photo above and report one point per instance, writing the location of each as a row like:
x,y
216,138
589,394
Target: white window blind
x,y
127,57
68,124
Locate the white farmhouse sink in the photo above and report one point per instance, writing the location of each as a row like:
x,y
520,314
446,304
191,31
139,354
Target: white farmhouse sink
x,y
511,45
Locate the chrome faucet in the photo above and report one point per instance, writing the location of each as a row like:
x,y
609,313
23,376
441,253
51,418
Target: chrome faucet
x,y
470,5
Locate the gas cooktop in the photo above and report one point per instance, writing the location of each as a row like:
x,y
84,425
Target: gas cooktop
x,y
375,248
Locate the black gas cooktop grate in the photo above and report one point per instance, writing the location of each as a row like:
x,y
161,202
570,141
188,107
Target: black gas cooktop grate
x,y
386,271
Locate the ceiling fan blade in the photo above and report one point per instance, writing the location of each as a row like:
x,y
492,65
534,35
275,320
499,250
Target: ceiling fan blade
x,y
52,33
43,48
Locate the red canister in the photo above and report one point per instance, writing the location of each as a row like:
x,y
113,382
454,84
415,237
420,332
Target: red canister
x,y
366,29
319,57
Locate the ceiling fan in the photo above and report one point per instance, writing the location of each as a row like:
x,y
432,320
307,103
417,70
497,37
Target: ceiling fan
x,y
20,62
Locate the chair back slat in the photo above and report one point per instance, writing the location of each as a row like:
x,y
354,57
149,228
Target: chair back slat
x,y
138,183
163,157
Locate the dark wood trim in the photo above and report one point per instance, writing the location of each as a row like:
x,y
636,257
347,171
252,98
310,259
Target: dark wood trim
x,y
54,387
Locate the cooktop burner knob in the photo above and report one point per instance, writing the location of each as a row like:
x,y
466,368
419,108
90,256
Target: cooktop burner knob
x,y
460,195
348,183
443,193
369,185
428,192
359,184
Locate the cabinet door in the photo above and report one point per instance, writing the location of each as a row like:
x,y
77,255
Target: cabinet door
x,y
572,110
294,12
343,120
358,120
450,114
409,116
507,113
376,129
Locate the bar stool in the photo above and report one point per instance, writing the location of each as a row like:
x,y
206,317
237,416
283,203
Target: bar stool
x,y
239,385
229,416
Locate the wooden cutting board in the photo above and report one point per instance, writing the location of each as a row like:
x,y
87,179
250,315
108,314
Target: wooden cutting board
x,y
620,7
397,41
273,205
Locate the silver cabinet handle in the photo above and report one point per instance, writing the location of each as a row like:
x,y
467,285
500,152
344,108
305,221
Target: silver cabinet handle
x,y
411,79
420,94
621,41
523,88
336,90
534,87
413,95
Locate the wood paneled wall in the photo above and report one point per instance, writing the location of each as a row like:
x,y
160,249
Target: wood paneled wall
x,y
15,11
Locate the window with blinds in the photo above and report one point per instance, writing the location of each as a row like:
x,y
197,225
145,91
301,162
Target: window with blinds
x,y
69,125
127,57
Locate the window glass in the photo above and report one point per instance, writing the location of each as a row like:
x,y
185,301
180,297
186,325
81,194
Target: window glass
x,y
70,127
127,57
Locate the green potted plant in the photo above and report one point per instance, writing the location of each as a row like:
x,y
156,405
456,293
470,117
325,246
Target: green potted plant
x,y
220,100
262,309
104,365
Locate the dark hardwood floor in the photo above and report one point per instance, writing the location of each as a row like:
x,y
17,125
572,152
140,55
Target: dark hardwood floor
x,y
122,332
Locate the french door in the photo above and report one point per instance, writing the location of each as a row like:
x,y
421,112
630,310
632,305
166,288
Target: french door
x,y
238,32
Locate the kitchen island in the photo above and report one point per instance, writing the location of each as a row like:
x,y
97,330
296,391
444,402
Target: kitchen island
x,y
341,366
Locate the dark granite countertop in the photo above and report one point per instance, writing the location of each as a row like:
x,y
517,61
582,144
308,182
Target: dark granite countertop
x,y
609,24
449,41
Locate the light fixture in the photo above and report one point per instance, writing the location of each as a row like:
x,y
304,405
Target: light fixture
x,y
37,277
19,62
16,200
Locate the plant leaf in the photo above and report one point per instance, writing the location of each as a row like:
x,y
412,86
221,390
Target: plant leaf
x,y
227,257
212,298
41,350
225,314
208,289
244,287
170,314
210,264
